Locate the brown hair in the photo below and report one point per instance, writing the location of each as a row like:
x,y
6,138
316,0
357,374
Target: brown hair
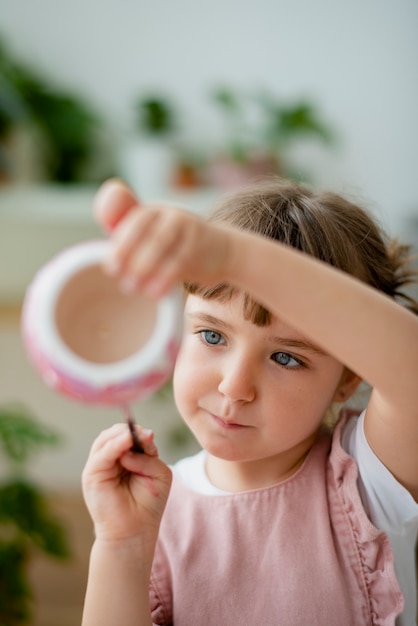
x,y
322,224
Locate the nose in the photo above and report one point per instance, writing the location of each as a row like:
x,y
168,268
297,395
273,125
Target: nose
x,y
238,382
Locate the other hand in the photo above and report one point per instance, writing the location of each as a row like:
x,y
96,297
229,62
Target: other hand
x,y
156,245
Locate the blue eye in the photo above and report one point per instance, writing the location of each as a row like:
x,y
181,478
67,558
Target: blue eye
x,y
286,360
211,337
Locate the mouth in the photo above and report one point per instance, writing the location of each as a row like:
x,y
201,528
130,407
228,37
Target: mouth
x,y
227,424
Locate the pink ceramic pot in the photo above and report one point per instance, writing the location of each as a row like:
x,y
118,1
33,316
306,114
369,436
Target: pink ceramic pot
x,y
91,341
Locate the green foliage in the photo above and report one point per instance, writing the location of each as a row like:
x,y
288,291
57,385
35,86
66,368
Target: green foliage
x,y
14,588
21,436
68,127
26,523
24,507
261,123
66,124
284,123
155,116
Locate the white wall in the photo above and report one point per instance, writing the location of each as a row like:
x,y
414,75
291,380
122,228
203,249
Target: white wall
x,y
357,60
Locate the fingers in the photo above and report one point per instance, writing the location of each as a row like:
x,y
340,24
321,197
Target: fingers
x,y
143,466
113,201
130,235
153,248
146,440
164,251
156,246
114,442
125,491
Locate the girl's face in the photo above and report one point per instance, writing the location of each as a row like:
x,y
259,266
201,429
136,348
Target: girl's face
x,y
248,392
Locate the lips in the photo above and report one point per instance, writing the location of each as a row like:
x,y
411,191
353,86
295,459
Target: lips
x,y
226,423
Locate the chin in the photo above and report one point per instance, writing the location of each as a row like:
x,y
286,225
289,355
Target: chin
x,y
224,450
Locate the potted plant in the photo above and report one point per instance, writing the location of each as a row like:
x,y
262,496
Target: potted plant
x,y
258,144
282,125
155,116
146,161
26,523
64,127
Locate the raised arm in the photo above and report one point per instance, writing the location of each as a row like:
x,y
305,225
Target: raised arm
x,y
364,329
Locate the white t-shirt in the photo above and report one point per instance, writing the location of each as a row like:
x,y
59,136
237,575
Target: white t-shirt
x,y
387,503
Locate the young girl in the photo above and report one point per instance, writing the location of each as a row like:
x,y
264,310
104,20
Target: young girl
x,y
279,520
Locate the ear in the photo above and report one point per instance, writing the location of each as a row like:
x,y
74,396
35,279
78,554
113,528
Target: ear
x,y
347,386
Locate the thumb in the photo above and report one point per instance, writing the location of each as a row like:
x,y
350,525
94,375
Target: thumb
x,y
112,202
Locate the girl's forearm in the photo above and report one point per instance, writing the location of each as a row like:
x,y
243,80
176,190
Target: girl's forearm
x,y
118,585
361,327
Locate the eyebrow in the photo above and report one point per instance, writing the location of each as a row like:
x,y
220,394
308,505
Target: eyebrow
x,y
279,341
210,319
298,343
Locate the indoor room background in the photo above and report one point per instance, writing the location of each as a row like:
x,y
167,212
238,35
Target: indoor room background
x,y
185,100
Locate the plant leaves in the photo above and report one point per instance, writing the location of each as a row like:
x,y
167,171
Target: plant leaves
x,y
21,435
15,592
23,505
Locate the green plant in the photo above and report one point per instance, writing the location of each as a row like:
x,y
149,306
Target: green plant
x,y
261,129
66,124
155,116
285,123
26,523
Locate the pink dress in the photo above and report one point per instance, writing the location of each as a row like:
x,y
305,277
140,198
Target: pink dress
x,y
302,552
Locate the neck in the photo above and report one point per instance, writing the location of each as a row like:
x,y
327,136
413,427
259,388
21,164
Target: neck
x,y
237,476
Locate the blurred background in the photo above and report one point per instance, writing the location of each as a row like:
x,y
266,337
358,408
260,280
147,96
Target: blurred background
x,y
185,101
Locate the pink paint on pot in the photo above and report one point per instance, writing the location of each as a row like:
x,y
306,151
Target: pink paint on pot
x,y
92,342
